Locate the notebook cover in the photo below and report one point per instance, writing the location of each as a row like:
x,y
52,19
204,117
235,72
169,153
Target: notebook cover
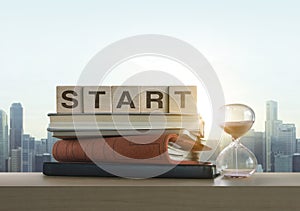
x,y
203,171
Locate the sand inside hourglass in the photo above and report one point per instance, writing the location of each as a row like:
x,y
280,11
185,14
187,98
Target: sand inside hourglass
x,y
237,129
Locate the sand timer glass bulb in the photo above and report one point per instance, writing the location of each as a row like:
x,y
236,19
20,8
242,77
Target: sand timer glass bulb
x,y
236,160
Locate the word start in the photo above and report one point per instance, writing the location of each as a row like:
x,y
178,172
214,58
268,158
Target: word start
x,y
129,99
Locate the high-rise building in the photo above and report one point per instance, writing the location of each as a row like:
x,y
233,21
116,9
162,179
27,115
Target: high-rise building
x,y
3,141
27,162
16,125
282,163
272,110
280,141
15,161
285,141
297,145
255,142
283,148
41,146
271,127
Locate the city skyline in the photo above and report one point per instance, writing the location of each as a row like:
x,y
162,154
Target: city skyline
x,y
20,152
276,147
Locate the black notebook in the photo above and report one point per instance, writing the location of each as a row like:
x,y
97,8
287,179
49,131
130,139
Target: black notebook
x,y
203,171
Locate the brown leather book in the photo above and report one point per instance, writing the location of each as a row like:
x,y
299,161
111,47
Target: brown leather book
x,y
128,149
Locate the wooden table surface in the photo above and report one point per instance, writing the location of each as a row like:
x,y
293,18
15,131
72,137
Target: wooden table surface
x,y
258,179
262,191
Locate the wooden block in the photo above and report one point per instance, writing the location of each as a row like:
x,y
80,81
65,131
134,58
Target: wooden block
x,y
97,99
125,99
154,98
69,99
183,99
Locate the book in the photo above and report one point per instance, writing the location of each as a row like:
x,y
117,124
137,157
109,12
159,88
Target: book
x,y
107,122
71,134
160,149
199,171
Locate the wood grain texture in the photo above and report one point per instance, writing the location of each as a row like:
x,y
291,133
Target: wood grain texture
x,y
183,99
69,99
148,198
97,99
154,99
126,99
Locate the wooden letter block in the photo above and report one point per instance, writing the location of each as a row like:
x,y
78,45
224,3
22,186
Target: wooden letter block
x,y
183,99
126,99
154,98
97,99
68,99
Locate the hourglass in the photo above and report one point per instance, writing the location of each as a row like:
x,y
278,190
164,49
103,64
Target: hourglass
x,y
236,160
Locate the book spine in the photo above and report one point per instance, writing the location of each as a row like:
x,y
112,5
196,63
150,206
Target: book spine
x,y
133,170
131,149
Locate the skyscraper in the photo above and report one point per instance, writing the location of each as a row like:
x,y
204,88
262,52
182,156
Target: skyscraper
x,y
3,141
280,141
16,125
27,162
283,148
15,161
297,145
285,141
271,129
40,146
272,110
283,163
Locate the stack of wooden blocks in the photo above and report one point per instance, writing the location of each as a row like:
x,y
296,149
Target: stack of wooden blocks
x,y
127,99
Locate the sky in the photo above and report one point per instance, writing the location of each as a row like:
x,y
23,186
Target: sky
x,y
253,46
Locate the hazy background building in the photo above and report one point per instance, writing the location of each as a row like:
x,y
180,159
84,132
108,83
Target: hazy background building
x,y
282,163
15,160
280,141
3,141
41,146
285,141
28,153
16,125
271,128
283,148
297,145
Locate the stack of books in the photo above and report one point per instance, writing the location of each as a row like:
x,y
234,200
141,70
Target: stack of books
x,y
137,141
